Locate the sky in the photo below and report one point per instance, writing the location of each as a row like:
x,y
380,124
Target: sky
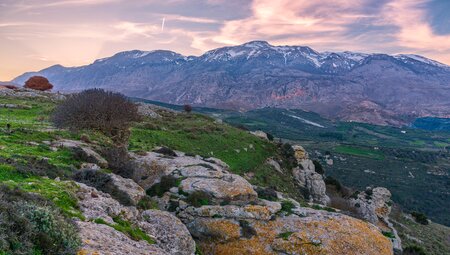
x,y
35,34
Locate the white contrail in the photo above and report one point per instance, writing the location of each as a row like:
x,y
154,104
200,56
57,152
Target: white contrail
x,y
162,24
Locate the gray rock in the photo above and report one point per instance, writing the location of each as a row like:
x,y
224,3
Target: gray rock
x,y
99,239
170,233
313,182
83,151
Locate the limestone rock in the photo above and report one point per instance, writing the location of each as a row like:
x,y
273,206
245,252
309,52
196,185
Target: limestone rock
x,y
82,151
318,233
260,134
148,110
172,236
96,204
312,182
208,175
300,153
99,239
373,204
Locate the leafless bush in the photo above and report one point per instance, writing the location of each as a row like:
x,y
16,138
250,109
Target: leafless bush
x,y
95,109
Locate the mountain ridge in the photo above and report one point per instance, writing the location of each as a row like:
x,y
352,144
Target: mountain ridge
x,y
374,88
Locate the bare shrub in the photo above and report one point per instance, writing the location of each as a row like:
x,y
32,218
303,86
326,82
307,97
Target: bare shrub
x,y
38,83
96,109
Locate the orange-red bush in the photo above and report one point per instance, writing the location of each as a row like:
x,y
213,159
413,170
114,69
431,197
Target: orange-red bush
x,y
38,83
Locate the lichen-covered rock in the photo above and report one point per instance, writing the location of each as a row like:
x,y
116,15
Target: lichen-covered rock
x,y
373,204
99,239
300,153
318,233
127,188
172,236
208,176
307,177
96,204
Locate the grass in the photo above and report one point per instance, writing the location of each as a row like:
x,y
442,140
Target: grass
x,y
128,229
285,235
200,135
61,193
357,151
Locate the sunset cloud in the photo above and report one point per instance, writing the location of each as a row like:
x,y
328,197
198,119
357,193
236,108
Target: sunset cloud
x,y
76,32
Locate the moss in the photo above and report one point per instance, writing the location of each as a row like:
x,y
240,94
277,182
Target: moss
x,y
388,234
128,229
285,235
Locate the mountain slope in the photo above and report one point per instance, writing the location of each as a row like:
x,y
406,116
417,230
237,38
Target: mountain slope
x,y
374,88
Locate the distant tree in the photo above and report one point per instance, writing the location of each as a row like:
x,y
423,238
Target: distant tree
x,y
420,218
38,83
96,109
318,167
187,108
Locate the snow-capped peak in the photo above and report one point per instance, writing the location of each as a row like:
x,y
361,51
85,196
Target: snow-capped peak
x,y
420,59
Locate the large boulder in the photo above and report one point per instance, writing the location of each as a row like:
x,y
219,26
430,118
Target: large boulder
x,y
373,204
99,239
205,175
171,234
318,232
82,151
312,183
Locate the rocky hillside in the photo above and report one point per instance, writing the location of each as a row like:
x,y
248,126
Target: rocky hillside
x,y
229,192
373,88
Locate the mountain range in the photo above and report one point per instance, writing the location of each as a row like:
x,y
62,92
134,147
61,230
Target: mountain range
x,y
373,88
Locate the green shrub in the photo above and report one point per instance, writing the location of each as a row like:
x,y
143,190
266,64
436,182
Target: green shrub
x,y
285,235
287,206
414,250
29,224
267,193
332,181
199,198
147,203
318,167
166,183
388,234
420,218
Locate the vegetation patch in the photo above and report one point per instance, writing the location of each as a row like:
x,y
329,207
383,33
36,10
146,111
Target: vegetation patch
x,y
166,183
357,151
128,229
287,206
30,224
285,235
199,198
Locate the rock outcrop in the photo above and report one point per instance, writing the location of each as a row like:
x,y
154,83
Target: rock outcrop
x,y
82,151
229,218
169,233
307,177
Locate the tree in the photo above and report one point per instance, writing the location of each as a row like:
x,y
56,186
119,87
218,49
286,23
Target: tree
x,y
38,83
187,108
96,109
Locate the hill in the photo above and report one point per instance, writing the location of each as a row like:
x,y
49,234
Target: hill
x,y
372,88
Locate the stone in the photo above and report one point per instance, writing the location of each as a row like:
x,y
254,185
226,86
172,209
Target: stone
x,y
274,164
260,134
373,204
148,110
171,234
83,151
300,153
100,239
307,178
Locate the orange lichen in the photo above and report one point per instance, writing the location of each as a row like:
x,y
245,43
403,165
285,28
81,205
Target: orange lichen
x,y
312,236
222,229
